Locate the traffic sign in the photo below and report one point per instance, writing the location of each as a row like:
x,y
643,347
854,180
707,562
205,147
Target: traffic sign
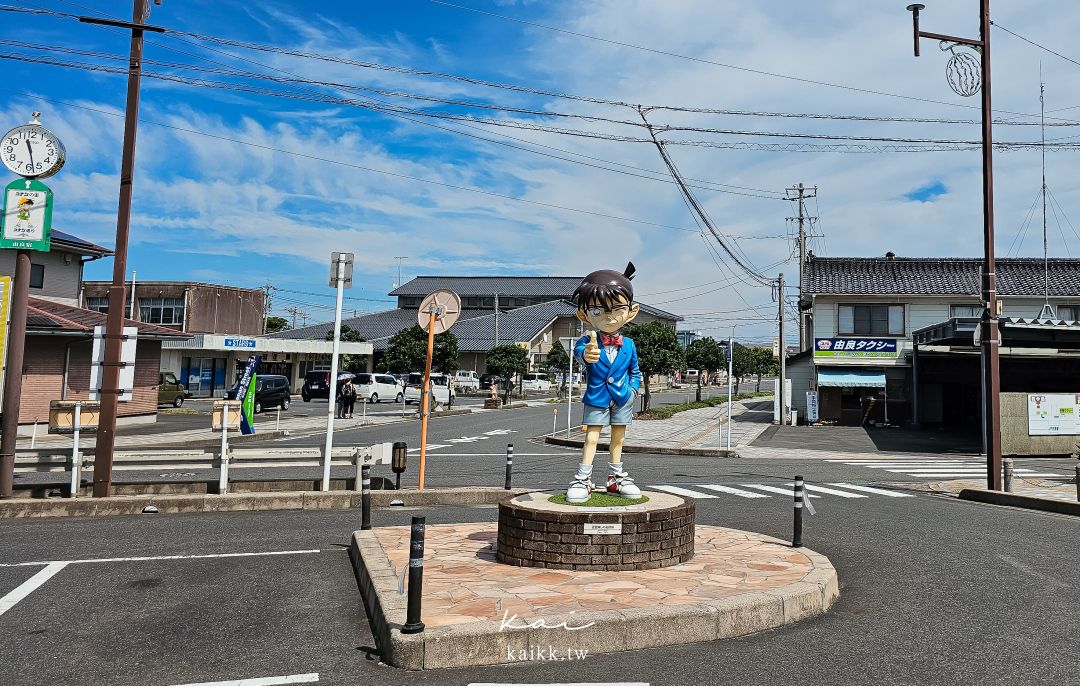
x,y
347,258
27,218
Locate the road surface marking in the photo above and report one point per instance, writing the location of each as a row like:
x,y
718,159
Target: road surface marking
x,y
733,491
968,475
264,681
683,491
777,489
163,557
30,585
831,491
878,491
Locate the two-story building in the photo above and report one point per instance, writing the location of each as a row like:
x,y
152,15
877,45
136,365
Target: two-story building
x,y
59,336
226,324
867,315
533,311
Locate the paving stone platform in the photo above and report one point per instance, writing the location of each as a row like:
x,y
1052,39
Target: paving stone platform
x,y
480,612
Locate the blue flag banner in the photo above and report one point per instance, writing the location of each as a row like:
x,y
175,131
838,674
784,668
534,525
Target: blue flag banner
x,y
245,392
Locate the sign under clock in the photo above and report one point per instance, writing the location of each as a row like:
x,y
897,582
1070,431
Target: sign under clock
x,y
32,151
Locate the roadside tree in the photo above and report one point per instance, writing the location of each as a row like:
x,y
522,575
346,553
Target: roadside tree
x,y
658,352
508,361
558,361
406,351
705,355
350,363
276,324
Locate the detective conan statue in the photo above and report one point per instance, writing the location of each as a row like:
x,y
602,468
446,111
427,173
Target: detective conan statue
x,y
605,302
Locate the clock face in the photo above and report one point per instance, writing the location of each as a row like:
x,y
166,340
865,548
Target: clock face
x,y
32,151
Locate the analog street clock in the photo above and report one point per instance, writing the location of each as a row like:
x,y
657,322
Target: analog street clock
x,y
32,151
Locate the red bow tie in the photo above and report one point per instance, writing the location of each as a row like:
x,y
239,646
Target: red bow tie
x,y
606,340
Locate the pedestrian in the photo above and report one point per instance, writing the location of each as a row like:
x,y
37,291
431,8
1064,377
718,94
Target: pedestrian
x,y
348,399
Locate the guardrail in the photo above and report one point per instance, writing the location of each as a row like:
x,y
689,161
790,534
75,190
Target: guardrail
x,y
236,458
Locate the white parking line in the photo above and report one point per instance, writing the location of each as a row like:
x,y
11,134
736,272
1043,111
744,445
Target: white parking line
x,y
162,557
264,681
30,585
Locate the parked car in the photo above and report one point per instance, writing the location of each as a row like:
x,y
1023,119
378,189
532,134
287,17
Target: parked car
x,y
170,391
487,380
467,381
440,388
375,388
271,390
535,381
317,385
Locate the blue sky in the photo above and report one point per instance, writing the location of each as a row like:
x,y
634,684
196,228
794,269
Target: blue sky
x,y
209,208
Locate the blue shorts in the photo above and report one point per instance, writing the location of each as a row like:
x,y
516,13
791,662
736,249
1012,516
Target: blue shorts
x,y
614,415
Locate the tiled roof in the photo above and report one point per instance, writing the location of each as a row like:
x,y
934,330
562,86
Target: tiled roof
x,y
78,245
515,286
46,315
475,330
936,276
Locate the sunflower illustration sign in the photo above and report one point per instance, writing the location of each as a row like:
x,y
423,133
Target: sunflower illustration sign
x,y
27,220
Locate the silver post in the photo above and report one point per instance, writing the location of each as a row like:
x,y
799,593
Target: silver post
x,y
1007,464
76,458
223,471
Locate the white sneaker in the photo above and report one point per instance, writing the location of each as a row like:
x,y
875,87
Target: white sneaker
x,y
580,489
622,485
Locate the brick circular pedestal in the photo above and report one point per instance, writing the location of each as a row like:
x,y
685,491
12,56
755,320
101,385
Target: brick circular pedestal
x,y
534,532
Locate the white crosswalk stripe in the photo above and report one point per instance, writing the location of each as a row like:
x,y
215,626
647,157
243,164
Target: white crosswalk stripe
x,y
931,468
876,491
841,490
831,491
683,491
733,491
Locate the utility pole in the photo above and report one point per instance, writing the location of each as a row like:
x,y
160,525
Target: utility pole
x,y
114,327
294,311
801,193
990,346
783,361
267,309
20,295
496,320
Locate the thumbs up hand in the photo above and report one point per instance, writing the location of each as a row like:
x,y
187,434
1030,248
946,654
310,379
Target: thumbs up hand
x,y
592,350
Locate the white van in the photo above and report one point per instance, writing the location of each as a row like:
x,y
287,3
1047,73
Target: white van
x,y
467,381
535,381
440,389
374,388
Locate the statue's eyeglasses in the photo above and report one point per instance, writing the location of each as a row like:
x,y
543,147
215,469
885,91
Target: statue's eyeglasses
x,y
597,311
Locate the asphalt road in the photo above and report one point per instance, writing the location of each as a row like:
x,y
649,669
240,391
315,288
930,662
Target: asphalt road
x,y
933,591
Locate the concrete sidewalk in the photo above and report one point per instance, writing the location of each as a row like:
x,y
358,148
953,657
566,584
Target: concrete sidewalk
x,y
693,432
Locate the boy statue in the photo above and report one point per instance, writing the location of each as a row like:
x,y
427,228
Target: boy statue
x,y
605,302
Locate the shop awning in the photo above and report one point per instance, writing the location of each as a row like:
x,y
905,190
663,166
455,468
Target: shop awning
x,y
851,378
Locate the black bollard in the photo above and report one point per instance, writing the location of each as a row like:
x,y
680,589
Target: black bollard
x,y
1078,483
397,463
509,463
800,494
413,625
365,497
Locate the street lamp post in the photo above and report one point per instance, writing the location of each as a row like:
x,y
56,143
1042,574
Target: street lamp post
x,y
991,371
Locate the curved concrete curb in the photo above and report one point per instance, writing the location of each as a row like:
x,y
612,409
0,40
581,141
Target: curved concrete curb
x,y
656,450
245,502
1029,502
488,642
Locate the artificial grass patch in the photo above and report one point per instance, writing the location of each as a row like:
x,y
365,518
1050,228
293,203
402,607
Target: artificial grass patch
x,y
600,499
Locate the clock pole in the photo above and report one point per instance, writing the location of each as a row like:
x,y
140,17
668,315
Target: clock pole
x,y
20,297
114,325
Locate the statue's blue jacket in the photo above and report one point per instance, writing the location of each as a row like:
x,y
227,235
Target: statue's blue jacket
x,y
610,382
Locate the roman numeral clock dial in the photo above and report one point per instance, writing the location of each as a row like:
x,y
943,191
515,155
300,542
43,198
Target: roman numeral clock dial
x,y
32,151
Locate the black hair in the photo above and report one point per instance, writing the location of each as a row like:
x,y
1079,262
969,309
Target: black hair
x,y
605,287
